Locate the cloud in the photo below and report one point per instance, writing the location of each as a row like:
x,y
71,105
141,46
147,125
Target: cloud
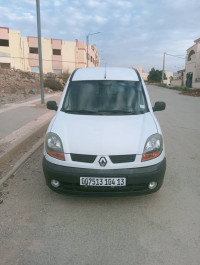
x,y
132,31
57,3
95,4
100,20
28,2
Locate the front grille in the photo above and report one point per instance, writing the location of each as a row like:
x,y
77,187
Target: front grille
x,y
122,158
75,187
83,158
114,158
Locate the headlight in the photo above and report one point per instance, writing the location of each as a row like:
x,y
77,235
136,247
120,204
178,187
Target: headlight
x,y
54,146
153,147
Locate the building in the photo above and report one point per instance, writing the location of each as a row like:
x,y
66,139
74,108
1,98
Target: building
x,y
141,71
58,55
190,76
178,80
169,76
192,66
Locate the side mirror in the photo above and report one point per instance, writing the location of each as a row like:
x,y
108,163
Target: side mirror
x,y
159,105
52,105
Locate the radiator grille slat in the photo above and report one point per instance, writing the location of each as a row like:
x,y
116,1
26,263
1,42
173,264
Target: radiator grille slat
x,y
122,158
83,158
115,159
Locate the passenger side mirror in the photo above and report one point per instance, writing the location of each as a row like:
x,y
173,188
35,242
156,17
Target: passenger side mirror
x,y
52,105
159,105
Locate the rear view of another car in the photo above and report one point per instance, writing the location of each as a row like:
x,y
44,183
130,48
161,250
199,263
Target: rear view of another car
x,y
104,138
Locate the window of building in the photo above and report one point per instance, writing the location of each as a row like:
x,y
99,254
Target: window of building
x,y
57,71
190,55
56,52
5,65
33,50
4,42
91,58
35,69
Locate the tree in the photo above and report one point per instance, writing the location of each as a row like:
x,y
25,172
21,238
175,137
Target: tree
x,y
155,76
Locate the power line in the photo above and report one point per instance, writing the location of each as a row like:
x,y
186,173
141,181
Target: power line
x,y
177,56
27,58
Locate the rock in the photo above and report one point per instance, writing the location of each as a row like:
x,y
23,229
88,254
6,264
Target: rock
x,y
33,91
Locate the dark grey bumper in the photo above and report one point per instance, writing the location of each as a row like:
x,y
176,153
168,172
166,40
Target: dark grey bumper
x,y
137,179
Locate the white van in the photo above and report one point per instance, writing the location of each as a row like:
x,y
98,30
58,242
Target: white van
x,y
104,138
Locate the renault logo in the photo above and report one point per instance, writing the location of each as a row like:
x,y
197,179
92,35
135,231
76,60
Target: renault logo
x,y
102,161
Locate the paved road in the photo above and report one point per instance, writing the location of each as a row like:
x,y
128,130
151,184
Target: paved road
x,y
38,226
16,115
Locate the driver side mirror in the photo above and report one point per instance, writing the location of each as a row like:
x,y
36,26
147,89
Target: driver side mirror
x,y
52,105
159,105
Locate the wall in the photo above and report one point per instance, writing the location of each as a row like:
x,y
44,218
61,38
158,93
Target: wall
x,y
69,56
12,53
25,54
46,55
176,82
196,85
4,50
81,55
168,75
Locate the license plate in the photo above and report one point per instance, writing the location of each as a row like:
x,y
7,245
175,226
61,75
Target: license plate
x,y
103,182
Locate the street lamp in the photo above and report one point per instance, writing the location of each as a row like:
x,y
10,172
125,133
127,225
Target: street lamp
x,y
87,42
40,51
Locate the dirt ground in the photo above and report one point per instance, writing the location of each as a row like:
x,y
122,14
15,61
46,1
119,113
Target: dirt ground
x,y
16,85
193,93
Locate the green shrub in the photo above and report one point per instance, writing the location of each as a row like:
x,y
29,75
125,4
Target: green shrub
x,y
155,76
174,87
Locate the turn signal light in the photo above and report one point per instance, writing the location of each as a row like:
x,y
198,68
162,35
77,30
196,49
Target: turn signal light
x,y
146,157
56,155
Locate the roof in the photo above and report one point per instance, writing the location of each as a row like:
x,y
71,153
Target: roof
x,y
197,40
181,71
111,73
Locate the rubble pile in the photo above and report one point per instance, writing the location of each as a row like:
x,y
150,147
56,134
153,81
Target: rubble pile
x,y
17,85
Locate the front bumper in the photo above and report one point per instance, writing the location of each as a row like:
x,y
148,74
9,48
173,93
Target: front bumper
x,y
137,179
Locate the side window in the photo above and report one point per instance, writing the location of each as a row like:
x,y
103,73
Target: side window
x,y
33,50
4,43
56,52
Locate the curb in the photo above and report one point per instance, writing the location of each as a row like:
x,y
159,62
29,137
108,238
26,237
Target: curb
x,y
22,142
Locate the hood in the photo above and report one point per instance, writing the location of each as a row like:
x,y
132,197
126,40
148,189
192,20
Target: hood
x,y
104,135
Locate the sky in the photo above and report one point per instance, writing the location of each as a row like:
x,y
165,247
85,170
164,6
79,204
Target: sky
x,y
133,32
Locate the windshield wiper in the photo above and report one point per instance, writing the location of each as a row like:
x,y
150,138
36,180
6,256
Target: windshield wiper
x,y
80,111
103,112
125,112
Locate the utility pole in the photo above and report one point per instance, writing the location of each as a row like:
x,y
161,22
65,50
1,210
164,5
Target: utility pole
x,y
40,51
163,70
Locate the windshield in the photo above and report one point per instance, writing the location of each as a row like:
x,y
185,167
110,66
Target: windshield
x,y
105,98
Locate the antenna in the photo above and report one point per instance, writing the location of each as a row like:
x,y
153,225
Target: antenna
x,y
105,72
